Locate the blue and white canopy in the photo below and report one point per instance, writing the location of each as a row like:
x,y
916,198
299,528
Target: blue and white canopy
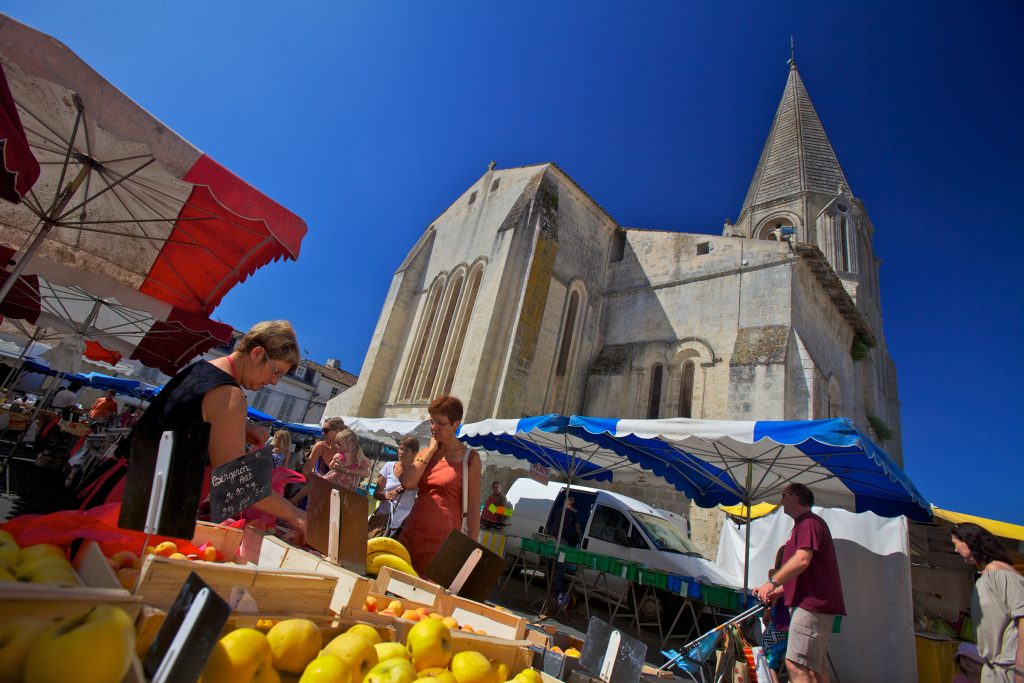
x,y
717,462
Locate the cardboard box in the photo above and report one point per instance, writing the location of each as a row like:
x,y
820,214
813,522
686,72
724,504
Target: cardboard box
x,y
247,589
407,587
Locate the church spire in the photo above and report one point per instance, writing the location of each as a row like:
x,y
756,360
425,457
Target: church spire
x,y
797,158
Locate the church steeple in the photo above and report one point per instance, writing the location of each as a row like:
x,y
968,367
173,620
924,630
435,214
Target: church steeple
x,y
797,158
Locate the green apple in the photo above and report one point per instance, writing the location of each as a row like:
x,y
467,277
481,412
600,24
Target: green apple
x,y
95,647
16,638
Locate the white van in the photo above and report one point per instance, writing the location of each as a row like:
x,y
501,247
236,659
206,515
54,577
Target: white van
x,y
612,524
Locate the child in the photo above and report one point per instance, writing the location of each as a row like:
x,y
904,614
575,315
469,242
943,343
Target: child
x,y
776,632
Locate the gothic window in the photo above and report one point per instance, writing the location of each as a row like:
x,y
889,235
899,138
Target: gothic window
x,y
422,338
441,338
654,401
686,390
460,333
567,334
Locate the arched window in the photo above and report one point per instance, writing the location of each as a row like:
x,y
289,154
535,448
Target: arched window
x,y
654,402
568,329
844,243
441,338
422,338
686,390
460,332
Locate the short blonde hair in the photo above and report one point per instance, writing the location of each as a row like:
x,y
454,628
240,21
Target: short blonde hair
x,y
282,441
346,435
276,337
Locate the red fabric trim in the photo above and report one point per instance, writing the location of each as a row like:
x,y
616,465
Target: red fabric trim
x,y
93,351
240,231
23,301
171,344
19,170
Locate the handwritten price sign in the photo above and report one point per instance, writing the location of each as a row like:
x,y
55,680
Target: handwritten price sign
x,y
239,484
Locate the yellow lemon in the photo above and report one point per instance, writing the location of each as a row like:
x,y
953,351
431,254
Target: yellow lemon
x,y
294,644
327,669
472,667
241,656
528,676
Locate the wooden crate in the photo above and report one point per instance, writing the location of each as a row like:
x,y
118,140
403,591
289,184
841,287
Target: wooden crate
x,y
250,589
407,587
99,587
495,622
226,540
515,654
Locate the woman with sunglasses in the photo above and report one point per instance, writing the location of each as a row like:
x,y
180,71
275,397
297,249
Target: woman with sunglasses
x,y
207,397
324,452
997,604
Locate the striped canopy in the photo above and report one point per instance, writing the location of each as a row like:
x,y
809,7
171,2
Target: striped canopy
x,y
717,462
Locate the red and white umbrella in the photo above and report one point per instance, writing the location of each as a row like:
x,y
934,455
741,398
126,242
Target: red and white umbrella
x,y
122,202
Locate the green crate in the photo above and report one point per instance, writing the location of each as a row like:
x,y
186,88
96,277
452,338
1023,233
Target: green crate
x,y
652,577
602,563
531,545
590,560
625,570
720,596
572,555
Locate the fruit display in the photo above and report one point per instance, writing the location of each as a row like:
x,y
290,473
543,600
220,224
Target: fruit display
x,y
411,612
40,563
358,655
95,646
387,552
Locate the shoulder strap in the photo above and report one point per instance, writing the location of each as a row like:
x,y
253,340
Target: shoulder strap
x,y
465,490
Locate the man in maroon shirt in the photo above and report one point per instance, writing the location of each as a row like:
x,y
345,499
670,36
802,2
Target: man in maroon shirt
x,y
809,581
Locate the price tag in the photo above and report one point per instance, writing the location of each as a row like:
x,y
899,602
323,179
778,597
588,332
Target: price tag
x,y
239,484
539,473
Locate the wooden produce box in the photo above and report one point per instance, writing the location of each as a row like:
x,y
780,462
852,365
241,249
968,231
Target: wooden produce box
x,y
99,587
481,617
271,552
404,586
227,540
246,589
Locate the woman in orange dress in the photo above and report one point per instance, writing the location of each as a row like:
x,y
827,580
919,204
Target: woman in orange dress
x,y
436,472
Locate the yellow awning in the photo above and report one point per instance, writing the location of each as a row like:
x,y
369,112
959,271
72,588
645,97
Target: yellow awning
x,y
1001,529
758,510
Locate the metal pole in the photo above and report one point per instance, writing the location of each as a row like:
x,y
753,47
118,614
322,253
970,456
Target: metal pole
x,y
49,221
746,546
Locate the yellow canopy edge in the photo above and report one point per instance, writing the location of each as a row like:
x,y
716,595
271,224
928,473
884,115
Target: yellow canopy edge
x,y
1002,529
758,510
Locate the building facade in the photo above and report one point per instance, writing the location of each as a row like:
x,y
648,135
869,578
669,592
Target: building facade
x,y
525,297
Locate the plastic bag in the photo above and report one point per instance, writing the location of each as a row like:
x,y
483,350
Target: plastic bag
x,y
764,674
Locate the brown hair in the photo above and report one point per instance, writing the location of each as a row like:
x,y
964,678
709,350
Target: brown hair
x,y
411,442
984,546
802,493
346,435
449,406
276,337
334,423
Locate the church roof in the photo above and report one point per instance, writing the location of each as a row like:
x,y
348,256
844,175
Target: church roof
x,y
797,156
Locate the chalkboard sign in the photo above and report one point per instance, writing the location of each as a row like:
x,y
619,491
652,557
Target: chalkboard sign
x,y
239,484
188,634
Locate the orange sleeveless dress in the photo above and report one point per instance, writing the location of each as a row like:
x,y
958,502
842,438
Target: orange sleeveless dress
x,y
437,511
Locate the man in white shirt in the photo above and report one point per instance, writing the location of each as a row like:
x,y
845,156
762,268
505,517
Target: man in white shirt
x,y
66,398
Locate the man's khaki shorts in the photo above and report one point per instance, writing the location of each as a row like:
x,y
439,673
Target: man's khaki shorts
x,y
808,638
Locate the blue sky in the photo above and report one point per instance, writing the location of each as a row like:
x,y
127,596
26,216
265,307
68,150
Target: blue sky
x,y
368,119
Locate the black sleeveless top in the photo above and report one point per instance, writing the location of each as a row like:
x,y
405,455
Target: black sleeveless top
x,y
178,408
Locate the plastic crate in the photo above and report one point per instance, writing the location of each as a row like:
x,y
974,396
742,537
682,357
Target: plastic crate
x,y
694,590
652,577
676,584
602,562
590,560
531,545
572,555
720,596
625,570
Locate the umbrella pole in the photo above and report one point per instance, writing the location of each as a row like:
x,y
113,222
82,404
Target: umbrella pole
x,y
52,216
746,545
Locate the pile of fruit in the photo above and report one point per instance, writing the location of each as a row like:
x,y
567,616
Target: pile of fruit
x,y
387,552
95,646
41,563
126,564
294,647
395,608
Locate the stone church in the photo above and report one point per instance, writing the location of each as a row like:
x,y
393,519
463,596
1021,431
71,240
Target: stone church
x,y
525,297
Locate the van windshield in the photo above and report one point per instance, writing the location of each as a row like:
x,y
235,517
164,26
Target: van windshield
x,y
665,535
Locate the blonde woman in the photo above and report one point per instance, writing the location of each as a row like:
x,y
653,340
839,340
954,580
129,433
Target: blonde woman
x,y
338,458
282,442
